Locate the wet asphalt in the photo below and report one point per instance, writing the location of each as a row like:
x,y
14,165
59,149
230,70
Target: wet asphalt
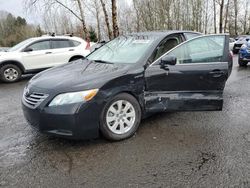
x,y
185,149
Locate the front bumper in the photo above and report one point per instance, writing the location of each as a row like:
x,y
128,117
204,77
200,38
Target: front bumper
x,y
237,46
77,121
244,55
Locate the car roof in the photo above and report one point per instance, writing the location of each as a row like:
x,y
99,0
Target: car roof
x,y
163,32
58,37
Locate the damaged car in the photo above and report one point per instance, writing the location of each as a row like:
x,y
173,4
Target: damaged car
x,y
130,77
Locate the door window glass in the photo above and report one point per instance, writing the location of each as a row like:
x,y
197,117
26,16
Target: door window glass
x,y
61,44
75,43
42,45
200,50
191,35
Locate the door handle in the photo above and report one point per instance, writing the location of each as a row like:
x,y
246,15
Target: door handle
x,y
48,52
216,73
71,50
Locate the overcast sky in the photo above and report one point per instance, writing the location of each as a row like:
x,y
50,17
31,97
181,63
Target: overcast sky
x,y
16,8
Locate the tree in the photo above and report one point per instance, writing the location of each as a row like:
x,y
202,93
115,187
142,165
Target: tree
x,y
14,30
215,21
114,19
39,31
92,35
226,15
85,30
221,4
48,4
235,17
106,19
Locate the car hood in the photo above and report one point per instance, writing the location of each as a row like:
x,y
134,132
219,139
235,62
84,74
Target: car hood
x,y
240,42
78,75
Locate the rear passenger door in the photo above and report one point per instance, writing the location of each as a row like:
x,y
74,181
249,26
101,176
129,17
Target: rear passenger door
x,y
63,50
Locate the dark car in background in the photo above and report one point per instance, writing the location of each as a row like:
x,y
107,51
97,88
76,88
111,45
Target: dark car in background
x,y
125,80
240,40
244,54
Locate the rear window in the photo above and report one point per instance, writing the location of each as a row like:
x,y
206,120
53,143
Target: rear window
x,y
75,43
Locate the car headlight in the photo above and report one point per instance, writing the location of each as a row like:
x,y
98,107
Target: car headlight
x,y
244,46
73,97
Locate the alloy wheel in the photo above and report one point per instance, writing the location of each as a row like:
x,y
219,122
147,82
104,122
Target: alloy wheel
x,y
11,74
120,117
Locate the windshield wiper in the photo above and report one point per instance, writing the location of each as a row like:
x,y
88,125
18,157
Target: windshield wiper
x,y
101,61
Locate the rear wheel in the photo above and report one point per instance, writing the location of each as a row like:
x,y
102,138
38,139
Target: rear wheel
x,y
120,117
242,63
10,73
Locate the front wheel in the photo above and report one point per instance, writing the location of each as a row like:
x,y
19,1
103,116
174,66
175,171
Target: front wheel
x,y
10,73
120,118
242,63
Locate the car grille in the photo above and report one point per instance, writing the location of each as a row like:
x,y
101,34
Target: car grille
x,y
33,100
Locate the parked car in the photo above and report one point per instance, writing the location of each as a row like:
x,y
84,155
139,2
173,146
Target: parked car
x,y
36,54
232,42
239,42
244,54
127,79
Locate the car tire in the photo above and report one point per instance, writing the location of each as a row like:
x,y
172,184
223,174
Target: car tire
x,y
120,117
10,73
242,63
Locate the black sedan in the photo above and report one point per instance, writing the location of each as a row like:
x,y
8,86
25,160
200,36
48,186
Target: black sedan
x,y
126,79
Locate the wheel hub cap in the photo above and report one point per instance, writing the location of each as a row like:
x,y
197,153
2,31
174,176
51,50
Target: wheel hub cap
x,y
11,74
120,117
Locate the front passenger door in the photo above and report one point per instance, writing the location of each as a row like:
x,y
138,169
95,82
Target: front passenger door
x,y
197,80
39,55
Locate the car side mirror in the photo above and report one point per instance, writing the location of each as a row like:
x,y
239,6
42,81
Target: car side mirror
x,y
28,50
168,60
247,40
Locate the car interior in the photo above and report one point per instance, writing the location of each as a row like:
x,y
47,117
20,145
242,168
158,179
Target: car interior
x,y
166,45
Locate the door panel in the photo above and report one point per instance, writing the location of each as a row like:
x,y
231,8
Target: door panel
x,y
40,57
196,82
63,50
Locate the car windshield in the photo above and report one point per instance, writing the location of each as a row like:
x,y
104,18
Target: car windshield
x,y
123,49
20,45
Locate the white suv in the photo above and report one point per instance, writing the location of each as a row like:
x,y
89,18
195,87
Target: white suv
x,y
36,54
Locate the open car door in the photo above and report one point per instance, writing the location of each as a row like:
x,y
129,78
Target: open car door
x,y
190,77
